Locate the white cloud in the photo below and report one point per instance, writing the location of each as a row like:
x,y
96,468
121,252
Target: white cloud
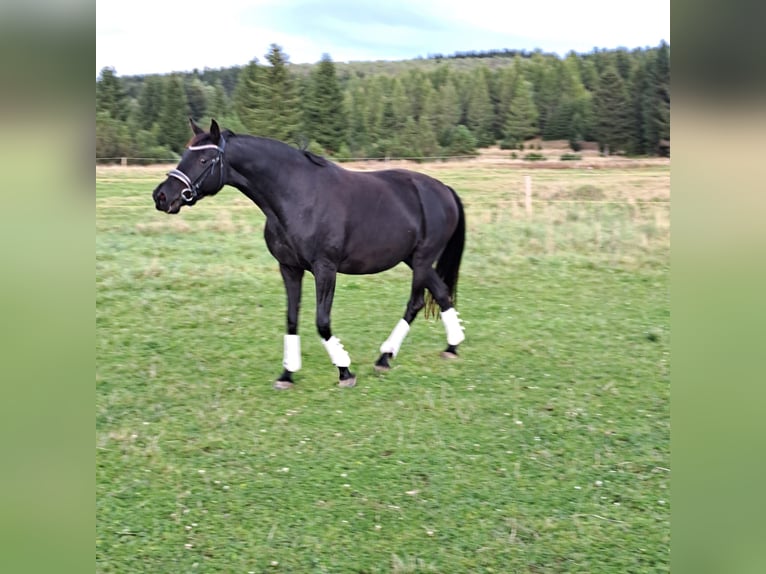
x,y
160,36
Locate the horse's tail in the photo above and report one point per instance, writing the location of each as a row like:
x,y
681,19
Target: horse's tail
x,y
448,265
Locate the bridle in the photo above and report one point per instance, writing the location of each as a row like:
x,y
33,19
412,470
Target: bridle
x,y
191,191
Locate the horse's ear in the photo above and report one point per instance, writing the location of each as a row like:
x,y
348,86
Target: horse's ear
x,y
215,132
195,128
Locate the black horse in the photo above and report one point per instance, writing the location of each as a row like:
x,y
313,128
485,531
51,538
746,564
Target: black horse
x,y
325,219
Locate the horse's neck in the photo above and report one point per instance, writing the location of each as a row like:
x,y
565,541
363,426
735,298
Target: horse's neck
x,y
258,172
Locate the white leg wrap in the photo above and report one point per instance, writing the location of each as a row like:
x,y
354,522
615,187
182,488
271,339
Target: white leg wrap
x,y
338,354
394,341
452,325
292,356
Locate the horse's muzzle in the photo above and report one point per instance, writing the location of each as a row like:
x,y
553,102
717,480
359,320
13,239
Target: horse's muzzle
x,y
161,201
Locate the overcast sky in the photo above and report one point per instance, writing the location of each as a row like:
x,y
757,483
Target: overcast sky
x,y
162,36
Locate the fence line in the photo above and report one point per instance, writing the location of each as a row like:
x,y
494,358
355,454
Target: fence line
x,y
147,161
125,160
504,200
468,204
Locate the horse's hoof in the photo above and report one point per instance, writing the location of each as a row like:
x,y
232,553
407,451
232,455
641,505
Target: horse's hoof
x,y
449,355
382,368
347,383
283,385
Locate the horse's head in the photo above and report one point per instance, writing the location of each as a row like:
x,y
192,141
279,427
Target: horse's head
x,y
199,173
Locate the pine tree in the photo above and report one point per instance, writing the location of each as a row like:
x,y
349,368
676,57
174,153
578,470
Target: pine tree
x,y
247,97
657,101
150,102
324,115
639,92
588,74
461,142
406,142
112,137
545,87
521,116
612,109
419,92
266,98
394,110
479,111
218,103
367,107
447,112
623,62
620,98
110,95
196,97
581,122
506,84
400,104
427,143
357,120
281,113
569,113
174,119
221,108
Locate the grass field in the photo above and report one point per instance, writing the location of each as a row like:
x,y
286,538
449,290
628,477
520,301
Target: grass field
x,y
544,448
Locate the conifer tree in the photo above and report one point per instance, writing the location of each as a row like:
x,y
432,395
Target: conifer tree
x,y
358,119
612,111
479,110
266,98
324,115
196,97
506,84
281,113
394,111
419,92
400,105
174,119
545,87
110,95
639,99
447,112
373,104
461,142
620,98
406,142
521,116
150,102
657,102
428,145
218,104
248,99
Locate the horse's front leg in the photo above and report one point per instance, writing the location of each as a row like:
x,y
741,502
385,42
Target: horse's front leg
x,y
293,278
324,276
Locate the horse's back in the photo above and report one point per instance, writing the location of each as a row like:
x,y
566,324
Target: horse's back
x,y
392,214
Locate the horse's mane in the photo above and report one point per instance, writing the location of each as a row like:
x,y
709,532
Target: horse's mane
x,y
311,156
197,139
316,159
303,146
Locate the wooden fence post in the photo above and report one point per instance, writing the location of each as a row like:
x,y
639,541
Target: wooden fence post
x,y
528,194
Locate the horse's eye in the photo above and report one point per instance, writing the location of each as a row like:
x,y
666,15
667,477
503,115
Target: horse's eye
x,y
202,160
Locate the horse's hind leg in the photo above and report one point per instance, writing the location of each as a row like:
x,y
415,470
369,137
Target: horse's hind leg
x,y
449,314
390,347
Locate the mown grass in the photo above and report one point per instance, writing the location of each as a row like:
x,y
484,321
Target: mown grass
x,y
544,448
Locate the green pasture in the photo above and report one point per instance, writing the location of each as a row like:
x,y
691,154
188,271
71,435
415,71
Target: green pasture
x,y
544,448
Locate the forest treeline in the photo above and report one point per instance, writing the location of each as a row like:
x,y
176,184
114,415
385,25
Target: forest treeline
x,y
428,107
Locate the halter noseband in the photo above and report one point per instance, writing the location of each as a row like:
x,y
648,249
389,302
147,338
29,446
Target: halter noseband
x,y
191,191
